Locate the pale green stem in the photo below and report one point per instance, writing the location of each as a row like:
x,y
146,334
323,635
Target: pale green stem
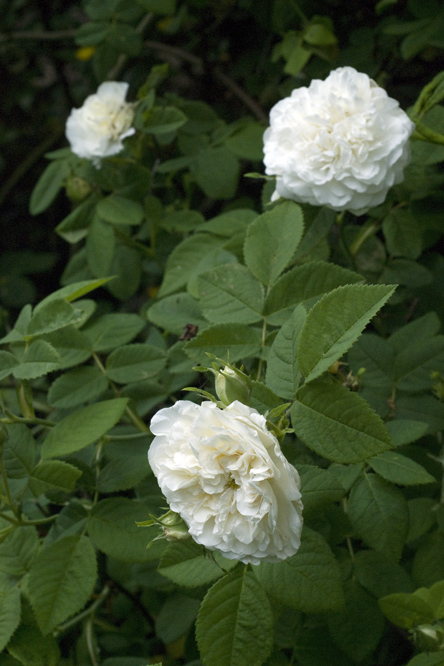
x,y
261,361
132,415
347,539
86,613
6,484
89,633
365,233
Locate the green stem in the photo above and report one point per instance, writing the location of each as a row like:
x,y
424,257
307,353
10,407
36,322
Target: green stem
x,y
366,232
261,361
13,418
147,251
86,613
6,485
130,412
9,519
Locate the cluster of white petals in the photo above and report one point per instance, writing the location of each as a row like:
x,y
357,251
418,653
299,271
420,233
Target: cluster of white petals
x,y
97,129
223,471
340,143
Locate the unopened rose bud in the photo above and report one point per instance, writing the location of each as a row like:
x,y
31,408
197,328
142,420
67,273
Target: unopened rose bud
x,y
174,528
77,189
232,385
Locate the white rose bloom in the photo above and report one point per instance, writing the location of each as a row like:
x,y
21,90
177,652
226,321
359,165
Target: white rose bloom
x,y
97,129
340,143
225,474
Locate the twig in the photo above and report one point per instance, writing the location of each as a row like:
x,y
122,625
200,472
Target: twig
x,y
115,71
241,94
27,163
40,35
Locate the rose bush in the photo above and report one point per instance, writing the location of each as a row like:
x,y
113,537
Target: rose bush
x,y
340,143
97,129
226,476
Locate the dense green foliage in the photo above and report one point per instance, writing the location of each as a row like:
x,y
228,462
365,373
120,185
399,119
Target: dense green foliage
x,y
120,286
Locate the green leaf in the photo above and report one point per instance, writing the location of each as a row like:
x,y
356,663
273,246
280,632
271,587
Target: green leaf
x,y
304,284
376,356
72,291
39,359
318,487
113,330
176,618
414,366
53,475
82,427
77,387
20,451
338,424
163,120
309,581
48,186
361,618
183,261
406,610
314,647
72,346
127,268
235,623
405,431
272,240
100,247
247,143
7,363
230,293
159,6
112,528
28,645
61,580
428,563
227,341
427,659
423,408
52,316
9,613
419,329
335,322
217,172
189,565
283,375
402,234
123,473
378,512
133,363
174,312
116,209
74,227
71,520
379,576
18,550
421,517
394,467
